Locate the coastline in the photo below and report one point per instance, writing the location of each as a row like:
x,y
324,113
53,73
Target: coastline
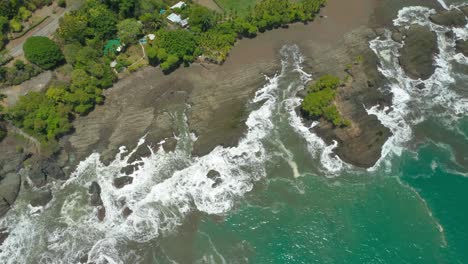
x,y
217,94
214,97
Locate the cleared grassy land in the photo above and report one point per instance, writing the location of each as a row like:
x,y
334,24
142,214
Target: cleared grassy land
x,y
239,6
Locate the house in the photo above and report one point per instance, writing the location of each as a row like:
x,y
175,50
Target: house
x,y
178,5
151,36
184,22
174,18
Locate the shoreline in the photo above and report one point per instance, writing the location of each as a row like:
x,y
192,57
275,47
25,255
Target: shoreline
x,y
204,87
143,103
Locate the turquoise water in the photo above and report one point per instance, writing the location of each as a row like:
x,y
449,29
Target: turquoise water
x,y
280,196
376,217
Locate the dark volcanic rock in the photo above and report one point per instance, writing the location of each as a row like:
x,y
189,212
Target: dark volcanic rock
x,y
126,212
40,198
43,169
397,37
215,176
418,52
449,18
462,46
360,143
95,191
464,9
84,259
9,188
421,86
3,235
122,181
101,213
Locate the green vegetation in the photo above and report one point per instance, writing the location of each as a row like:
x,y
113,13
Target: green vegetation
x,y
3,131
41,116
238,7
319,101
87,41
128,30
19,73
14,12
43,52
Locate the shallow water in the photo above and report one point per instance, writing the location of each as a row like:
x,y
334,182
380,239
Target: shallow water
x,y
280,196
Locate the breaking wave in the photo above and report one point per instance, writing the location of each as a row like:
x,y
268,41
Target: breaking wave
x,y
411,105
166,187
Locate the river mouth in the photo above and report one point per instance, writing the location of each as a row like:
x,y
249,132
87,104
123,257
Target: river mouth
x,y
280,194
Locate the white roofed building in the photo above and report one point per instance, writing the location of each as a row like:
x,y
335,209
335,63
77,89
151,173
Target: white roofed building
x,y
174,18
178,5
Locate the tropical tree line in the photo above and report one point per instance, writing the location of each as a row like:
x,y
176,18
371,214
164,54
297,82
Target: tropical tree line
x,y
80,44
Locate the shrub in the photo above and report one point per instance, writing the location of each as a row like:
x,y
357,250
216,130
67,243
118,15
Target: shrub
x,y
62,3
319,101
41,116
43,52
3,133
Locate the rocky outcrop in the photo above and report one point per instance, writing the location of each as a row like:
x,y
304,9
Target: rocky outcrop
x,y
3,235
449,18
464,9
40,197
13,152
416,56
462,47
42,170
9,189
397,37
360,143
214,176
126,212
122,181
95,200
95,194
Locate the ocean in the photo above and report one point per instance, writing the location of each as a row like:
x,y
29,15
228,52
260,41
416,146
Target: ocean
x,y
280,196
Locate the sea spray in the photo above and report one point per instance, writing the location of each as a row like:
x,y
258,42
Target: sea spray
x,y
411,105
166,187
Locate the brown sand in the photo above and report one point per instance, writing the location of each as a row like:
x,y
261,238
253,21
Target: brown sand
x,y
141,104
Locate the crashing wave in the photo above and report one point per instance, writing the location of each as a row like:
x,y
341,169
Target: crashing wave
x,y
422,102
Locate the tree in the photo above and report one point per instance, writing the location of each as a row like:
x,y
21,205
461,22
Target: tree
x,y
43,52
19,65
71,52
178,42
152,54
102,20
170,64
151,22
129,30
73,28
202,18
41,116
15,25
319,100
324,82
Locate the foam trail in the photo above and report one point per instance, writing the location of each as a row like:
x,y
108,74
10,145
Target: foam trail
x,y
436,94
167,186
443,4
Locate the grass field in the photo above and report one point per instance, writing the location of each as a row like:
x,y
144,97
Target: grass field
x,y
239,6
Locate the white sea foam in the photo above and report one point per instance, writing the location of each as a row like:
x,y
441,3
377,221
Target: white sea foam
x,y
167,186
411,105
443,4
